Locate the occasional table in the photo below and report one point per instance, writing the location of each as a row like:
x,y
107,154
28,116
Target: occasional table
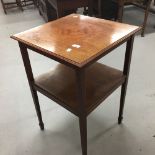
x,y
78,83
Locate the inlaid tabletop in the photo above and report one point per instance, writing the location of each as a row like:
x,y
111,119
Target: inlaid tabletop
x,y
76,39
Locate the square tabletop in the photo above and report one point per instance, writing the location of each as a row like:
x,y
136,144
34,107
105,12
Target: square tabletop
x,y
76,39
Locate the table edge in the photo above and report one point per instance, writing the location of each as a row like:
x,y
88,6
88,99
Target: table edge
x,y
72,62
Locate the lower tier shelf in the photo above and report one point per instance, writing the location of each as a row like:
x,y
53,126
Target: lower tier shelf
x,y
60,85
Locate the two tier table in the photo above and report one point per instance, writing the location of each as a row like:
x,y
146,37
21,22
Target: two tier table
x,y
78,83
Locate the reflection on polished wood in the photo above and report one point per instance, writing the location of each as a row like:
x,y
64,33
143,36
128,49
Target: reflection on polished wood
x,y
76,39
60,83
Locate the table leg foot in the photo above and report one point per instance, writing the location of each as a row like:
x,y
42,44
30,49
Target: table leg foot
x,y
120,120
41,126
142,34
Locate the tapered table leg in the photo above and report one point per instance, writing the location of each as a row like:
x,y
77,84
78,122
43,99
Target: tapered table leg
x,y
59,11
30,77
3,5
126,70
146,17
120,10
83,133
90,7
80,74
19,3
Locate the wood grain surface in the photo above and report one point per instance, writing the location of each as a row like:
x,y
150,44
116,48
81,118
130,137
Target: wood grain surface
x,y
76,39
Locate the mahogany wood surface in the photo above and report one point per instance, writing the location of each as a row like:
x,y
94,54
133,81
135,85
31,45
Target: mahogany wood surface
x,y
76,39
100,81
